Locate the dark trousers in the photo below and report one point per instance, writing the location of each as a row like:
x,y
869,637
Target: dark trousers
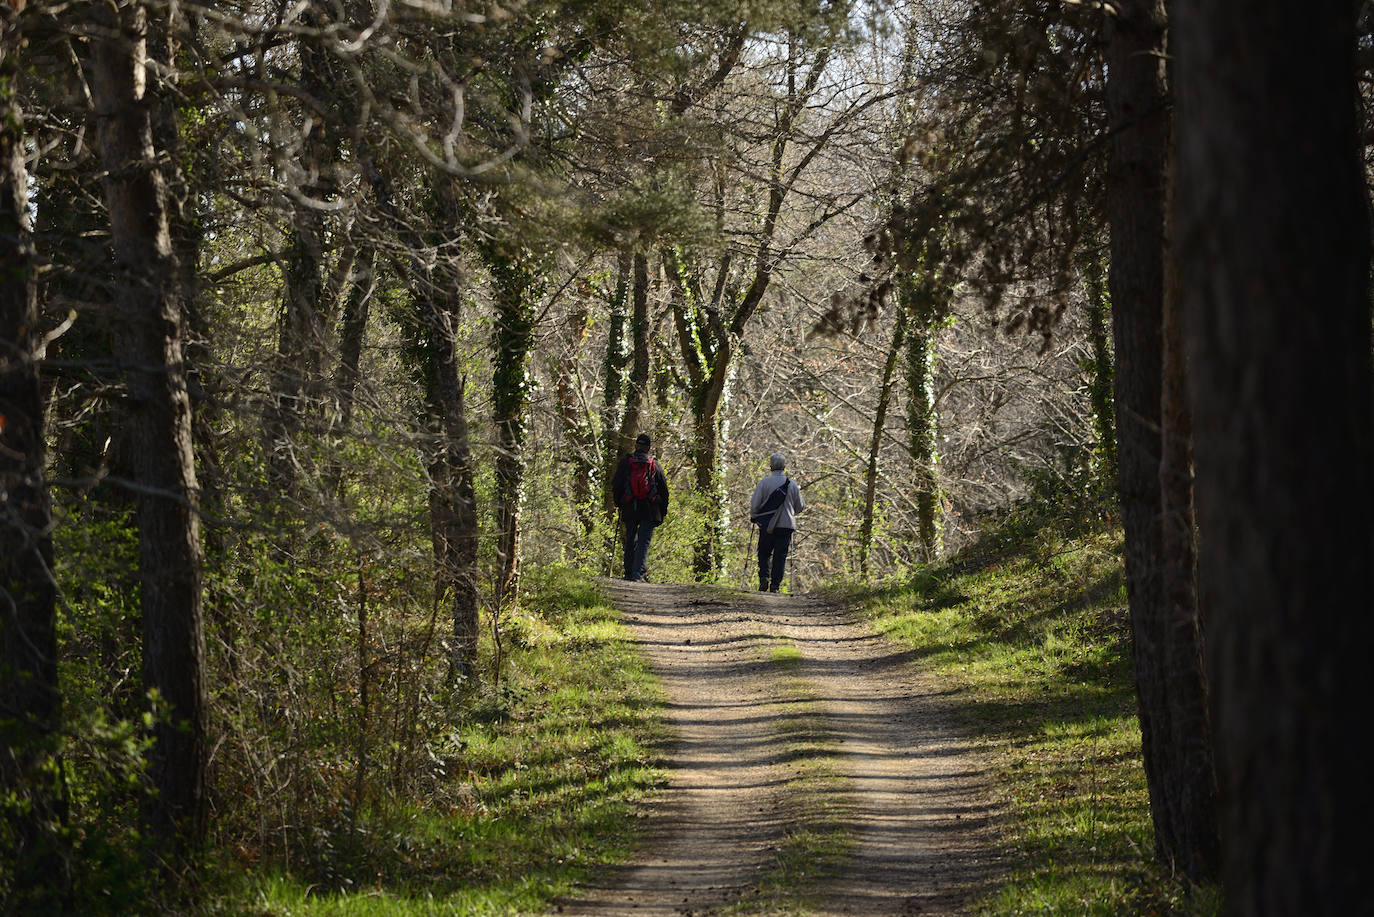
x,y
773,557
637,535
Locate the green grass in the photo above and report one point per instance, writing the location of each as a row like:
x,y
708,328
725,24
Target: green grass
x,y
540,792
1035,637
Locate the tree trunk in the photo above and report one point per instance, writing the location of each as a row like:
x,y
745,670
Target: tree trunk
x,y
1273,235
1193,795
159,425
1100,382
614,391
918,298
876,440
352,332
577,429
30,707
1135,212
519,284
307,313
453,499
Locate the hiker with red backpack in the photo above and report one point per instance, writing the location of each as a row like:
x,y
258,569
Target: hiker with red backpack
x,y
641,493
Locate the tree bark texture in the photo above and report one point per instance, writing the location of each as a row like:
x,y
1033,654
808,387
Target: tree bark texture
x,y
1136,97
1273,231
30,705
149,342
1193,794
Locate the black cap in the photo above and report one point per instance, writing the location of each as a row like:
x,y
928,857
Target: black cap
x,y
642,441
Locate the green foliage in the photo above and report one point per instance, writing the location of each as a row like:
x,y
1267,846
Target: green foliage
x,y
1031,625
527,789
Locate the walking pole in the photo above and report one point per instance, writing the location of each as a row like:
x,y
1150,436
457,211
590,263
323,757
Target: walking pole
x,y
615,543
748,552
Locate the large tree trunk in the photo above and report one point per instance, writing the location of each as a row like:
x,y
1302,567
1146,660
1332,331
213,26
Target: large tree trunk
x,y
1193,794
29,700
1273,235
1135,211
159,426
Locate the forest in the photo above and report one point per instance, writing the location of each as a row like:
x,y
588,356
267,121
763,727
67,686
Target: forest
x,y
324,324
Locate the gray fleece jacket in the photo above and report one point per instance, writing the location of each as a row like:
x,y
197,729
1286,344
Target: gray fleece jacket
x,y
793,505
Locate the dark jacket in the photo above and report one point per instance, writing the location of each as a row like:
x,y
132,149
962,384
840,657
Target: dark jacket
x,y
652,511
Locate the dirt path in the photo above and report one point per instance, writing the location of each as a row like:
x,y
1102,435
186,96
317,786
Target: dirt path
x,y
745,675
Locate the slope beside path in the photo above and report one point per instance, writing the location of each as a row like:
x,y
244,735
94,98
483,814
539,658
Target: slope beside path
x,y
762,691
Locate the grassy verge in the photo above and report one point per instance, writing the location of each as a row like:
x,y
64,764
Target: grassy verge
x,y
539,792
817,840
1032,627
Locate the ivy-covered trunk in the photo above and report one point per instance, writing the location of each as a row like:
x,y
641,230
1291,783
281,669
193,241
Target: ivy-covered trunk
x,y
519,282
637,383
921,298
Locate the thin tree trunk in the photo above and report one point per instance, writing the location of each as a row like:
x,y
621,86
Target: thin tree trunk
x,y
159,424
876,440
30,705
352,332
1274,244
1100,385
577,430
453,495
1135,212
614,391
307,314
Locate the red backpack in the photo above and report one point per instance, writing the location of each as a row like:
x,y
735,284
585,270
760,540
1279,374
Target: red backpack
x,y
643,477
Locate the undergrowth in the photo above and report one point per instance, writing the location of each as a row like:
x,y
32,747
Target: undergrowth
x,y
1030,625
539,782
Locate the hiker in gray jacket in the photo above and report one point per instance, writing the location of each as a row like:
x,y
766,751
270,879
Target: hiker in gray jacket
x,y
773,508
